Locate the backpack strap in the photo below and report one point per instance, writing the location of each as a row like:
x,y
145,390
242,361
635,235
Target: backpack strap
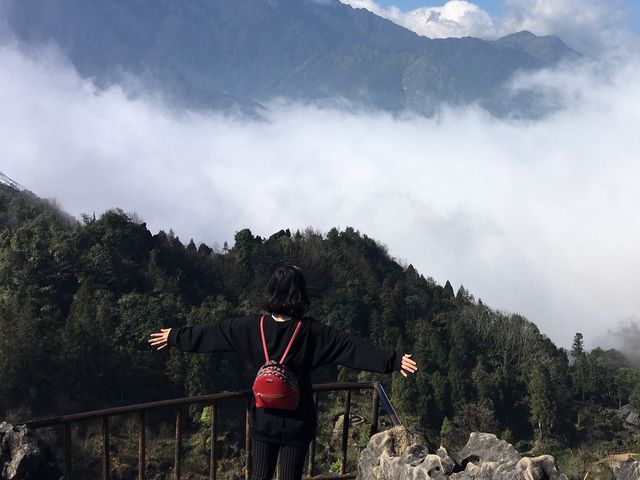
x,y
295,332
264,342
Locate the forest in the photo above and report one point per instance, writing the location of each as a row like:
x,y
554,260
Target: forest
x,y
78,299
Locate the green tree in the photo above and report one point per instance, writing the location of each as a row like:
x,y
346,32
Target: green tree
x,y
543,405
577,348
634,398
483,383
403,393
626,380
445,431
580,368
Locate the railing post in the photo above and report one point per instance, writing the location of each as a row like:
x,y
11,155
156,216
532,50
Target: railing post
x,y
178,452
213,461
106,461
345,432
247,440
393,416
312,447
67,451
142,447
375,405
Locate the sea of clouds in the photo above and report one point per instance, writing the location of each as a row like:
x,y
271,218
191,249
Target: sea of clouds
x,y
536,217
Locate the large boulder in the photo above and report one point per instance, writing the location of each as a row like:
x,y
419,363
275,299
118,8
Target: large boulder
x,y
24,456
487,457
397,454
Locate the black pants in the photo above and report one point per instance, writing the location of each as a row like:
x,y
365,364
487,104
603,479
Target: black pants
x,y
264,457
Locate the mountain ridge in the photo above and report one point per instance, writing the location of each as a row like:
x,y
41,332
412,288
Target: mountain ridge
x,y
244,53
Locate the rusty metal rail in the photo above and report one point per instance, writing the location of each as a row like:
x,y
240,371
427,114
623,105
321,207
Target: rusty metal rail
x,y
379,396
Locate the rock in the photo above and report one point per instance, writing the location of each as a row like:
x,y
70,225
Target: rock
x,y
398,455
487,457
24,456
488,447
447,462
627,470
539,468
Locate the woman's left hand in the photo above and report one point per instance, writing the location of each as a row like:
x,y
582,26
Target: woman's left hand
x,y
159,339
408,365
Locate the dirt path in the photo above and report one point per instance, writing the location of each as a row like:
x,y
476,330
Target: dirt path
x,y
621,457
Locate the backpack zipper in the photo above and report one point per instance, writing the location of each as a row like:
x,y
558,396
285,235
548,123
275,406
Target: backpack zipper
x,y
264,395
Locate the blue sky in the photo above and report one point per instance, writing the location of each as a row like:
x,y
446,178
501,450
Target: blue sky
x,y
497,7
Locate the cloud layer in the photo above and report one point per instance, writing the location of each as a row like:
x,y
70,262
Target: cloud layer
x,y
589,26
539,218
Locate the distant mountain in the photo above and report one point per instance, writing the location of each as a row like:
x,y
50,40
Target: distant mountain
x,y
548,49
237,54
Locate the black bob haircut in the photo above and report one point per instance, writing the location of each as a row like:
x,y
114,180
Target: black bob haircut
x,y
286,292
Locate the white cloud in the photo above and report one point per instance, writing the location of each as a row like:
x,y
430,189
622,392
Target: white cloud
x,y
589,26
456,18
539,218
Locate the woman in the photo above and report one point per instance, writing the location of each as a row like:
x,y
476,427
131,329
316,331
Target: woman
x,y
287,432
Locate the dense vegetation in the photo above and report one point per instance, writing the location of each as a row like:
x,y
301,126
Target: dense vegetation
x,y
78,300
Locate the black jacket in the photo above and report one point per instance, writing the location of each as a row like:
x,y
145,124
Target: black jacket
x,y
315,345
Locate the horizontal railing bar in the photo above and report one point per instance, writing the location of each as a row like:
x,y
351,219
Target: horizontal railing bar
x,y
110,412
328,387
177,402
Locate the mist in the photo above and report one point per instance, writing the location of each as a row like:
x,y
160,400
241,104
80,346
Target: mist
x,y
625,337
535,217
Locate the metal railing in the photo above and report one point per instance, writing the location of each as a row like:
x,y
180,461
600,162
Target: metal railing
x,y
379,396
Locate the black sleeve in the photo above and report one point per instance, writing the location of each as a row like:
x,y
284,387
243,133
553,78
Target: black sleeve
x,y
334,346
213,337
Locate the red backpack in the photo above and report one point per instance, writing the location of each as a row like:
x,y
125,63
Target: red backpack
x,y
275,385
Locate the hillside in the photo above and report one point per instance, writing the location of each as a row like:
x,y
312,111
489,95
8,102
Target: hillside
x,y
78,300
234,55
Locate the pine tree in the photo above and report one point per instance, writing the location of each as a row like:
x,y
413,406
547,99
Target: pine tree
x,y
579,373
403,394
577,349
445,431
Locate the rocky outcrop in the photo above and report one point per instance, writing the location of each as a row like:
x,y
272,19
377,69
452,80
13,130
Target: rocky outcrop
x,y
627,471
487,457
24,456
397,454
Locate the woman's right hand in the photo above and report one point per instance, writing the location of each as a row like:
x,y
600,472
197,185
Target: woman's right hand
x,y
159,339
409,365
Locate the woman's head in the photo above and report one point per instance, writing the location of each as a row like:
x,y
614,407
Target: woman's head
x,y
286,292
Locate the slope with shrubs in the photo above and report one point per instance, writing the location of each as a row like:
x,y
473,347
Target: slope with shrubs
x,y
78,300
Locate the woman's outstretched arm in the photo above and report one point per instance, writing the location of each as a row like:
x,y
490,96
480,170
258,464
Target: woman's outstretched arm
x,y
334,346
214,337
